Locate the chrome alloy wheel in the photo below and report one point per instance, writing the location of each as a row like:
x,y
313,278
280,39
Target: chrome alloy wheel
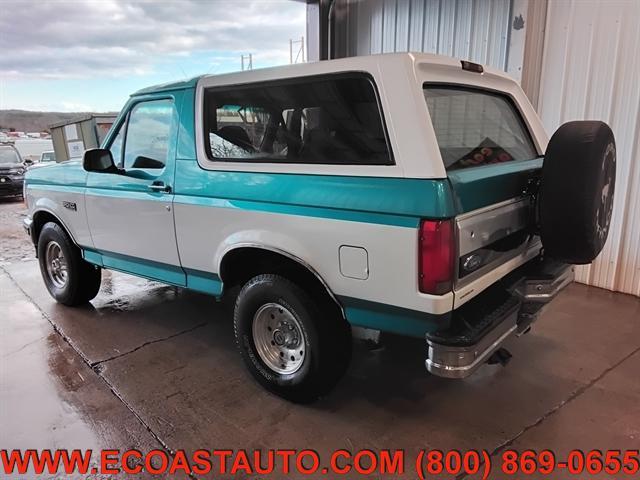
x,y
278,338
57,269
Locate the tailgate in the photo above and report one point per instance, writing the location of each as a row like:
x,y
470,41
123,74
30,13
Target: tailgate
x,y
475,188
493,166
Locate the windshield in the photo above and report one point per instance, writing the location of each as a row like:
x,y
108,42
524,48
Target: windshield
x,y
477,127
9,156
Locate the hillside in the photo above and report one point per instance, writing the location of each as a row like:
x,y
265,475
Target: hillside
x,y
26,121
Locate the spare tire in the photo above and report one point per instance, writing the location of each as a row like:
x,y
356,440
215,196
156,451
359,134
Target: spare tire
x,y
576,191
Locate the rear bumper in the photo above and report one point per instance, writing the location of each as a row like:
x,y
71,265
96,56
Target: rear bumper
x,y
484,324
452,361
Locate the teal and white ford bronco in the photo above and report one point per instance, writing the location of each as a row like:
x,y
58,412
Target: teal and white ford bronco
x,y
405,193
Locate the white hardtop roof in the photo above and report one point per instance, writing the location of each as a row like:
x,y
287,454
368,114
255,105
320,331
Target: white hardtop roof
x,y
411,62
399,78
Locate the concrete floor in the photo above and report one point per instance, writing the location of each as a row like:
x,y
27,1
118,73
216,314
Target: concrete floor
x,y
150,366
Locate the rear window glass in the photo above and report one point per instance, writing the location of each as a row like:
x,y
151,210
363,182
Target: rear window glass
x,y
315,120
476,127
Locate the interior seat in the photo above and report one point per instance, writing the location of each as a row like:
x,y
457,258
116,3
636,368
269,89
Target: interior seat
x,y
236,135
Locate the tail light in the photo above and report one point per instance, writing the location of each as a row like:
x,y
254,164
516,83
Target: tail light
x,y
436,256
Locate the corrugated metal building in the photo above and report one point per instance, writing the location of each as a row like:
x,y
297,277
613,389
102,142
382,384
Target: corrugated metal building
x,y
590,70
474,29
576,59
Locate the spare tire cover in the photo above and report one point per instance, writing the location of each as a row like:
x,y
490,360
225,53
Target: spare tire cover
x,y
576,191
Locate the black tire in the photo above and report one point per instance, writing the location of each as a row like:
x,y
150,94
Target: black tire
x,y
326,337
82,279
577,191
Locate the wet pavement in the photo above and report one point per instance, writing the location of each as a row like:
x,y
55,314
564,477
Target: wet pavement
x,y
13,246
149,366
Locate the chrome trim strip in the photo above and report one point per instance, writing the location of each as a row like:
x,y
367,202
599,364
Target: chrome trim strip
x,y
468,288
484,226
488,208
529,249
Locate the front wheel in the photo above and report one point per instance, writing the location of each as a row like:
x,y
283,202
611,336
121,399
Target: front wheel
x,y
291,344
69,279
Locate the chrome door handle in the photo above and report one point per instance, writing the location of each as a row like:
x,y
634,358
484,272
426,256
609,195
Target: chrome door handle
x,y
160,187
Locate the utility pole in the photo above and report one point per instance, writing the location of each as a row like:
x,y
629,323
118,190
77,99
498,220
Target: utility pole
x,y
299,49
248,65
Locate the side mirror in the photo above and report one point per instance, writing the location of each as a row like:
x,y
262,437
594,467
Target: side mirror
x,y
99,160
28,162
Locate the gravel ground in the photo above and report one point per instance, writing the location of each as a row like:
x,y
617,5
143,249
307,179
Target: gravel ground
x,y
15,245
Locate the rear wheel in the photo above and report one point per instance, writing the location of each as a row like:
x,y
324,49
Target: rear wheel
x,y
292,344
69,279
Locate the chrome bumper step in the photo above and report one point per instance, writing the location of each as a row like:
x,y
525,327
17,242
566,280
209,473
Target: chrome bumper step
x,y
483,325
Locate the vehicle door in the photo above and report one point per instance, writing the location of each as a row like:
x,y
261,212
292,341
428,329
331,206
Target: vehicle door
x,y
130,213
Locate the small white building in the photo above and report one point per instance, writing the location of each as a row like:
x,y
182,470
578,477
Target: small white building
x,y
72,138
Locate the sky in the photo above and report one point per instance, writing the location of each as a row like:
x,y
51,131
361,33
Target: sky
x,y
90,55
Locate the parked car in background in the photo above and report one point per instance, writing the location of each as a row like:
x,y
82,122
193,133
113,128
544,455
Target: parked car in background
x,y
46,158
407,193
12,169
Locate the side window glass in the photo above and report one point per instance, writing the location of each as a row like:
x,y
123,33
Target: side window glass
x,y
116,145
332,119
148,133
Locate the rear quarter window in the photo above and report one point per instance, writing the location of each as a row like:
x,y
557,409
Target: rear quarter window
x,y
477,127
331,119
